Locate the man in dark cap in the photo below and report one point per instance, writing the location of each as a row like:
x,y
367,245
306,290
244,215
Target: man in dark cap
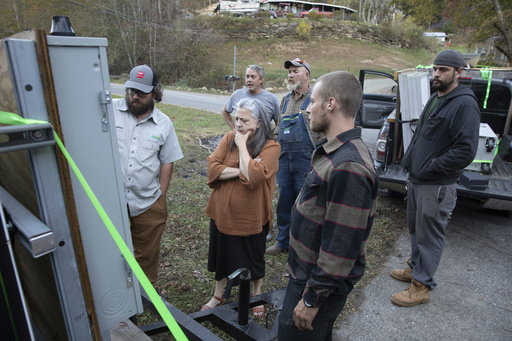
x,y
148,147
297,144
444,143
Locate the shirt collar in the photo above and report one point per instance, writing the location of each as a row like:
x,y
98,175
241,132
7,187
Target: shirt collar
x,y
308,90
340,140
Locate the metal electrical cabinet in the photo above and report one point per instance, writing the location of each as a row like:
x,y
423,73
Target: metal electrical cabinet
x,y
82,86
81,89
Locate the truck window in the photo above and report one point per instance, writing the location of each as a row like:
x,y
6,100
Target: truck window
x,y
499,96
379,86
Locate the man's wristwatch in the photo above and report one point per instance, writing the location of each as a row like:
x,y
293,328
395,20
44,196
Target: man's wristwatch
x,y
309,305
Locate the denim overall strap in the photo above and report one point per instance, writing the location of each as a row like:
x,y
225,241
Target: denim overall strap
x,y
294,133
286,103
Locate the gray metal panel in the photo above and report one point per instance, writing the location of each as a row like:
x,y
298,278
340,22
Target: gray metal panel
x,y
80,72
31,103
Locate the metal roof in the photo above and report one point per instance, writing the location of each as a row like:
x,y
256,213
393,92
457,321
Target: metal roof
x,y
314,4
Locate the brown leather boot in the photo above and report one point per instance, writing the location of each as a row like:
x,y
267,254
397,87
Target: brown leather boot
x,y
415,294
404,275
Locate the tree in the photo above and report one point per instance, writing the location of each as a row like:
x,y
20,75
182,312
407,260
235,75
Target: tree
x,y
424,13
485,20
375,11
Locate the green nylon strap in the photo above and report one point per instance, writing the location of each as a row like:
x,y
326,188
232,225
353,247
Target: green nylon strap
x,y
494,156
13,119
486,74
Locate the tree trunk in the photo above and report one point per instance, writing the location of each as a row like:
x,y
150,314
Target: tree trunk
x,y
504,28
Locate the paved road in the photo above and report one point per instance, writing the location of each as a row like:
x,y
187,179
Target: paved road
x,y
473,299
214,103
195,100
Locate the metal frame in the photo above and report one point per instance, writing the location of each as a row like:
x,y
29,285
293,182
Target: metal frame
x,y
28,88
36,236
14,302
223,317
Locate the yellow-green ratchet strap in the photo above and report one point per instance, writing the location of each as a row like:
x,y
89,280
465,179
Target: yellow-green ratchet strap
x,y
486,74
13,119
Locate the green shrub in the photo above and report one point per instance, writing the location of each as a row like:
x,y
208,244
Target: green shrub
x,y
403,31
313,15
363,28
290,16
338,15
210,78
304,30
182,83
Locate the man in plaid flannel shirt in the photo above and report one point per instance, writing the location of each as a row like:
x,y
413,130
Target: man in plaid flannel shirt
x,y
332,216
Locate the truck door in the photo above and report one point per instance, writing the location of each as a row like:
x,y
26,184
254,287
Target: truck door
x,y
379,98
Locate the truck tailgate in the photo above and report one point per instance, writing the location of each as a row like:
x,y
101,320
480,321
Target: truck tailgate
x,y
499,187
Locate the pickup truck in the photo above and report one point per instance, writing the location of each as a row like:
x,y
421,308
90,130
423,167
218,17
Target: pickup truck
x,y
305,14
494,98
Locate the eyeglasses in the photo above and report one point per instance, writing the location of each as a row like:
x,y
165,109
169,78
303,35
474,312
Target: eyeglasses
x,y
139,93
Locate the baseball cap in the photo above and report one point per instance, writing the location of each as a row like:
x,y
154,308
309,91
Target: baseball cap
x,y
450,58
142,78
297,62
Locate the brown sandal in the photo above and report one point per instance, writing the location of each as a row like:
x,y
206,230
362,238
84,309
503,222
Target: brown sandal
x,y
206,306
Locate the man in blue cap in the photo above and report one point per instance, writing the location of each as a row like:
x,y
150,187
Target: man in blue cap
x,y
148,147
444,143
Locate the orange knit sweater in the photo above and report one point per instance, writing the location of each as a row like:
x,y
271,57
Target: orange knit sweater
x,y
240,207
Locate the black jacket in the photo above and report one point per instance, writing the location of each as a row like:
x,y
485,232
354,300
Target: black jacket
x,y
447,143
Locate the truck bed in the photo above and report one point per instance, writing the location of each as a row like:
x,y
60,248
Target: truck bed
x,y
499,187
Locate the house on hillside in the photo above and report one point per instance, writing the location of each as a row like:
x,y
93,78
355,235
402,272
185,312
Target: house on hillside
x,y
441,36
240,7
279,7
297,7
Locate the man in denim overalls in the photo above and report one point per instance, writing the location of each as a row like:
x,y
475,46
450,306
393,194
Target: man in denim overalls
x,y
297,145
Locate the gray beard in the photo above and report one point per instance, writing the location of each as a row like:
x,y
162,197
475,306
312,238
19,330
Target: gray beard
x,y
292,87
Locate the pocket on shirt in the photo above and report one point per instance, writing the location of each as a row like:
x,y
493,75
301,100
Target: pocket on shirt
x,y
311,191
433,132
312,200
148,148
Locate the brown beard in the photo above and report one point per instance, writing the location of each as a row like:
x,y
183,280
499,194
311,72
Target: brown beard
x,y
443,86
138,110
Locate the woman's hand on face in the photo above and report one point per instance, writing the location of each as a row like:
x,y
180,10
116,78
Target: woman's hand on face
x,y
241,139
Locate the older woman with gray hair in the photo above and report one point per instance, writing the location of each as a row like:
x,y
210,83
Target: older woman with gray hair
x,y
242,172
